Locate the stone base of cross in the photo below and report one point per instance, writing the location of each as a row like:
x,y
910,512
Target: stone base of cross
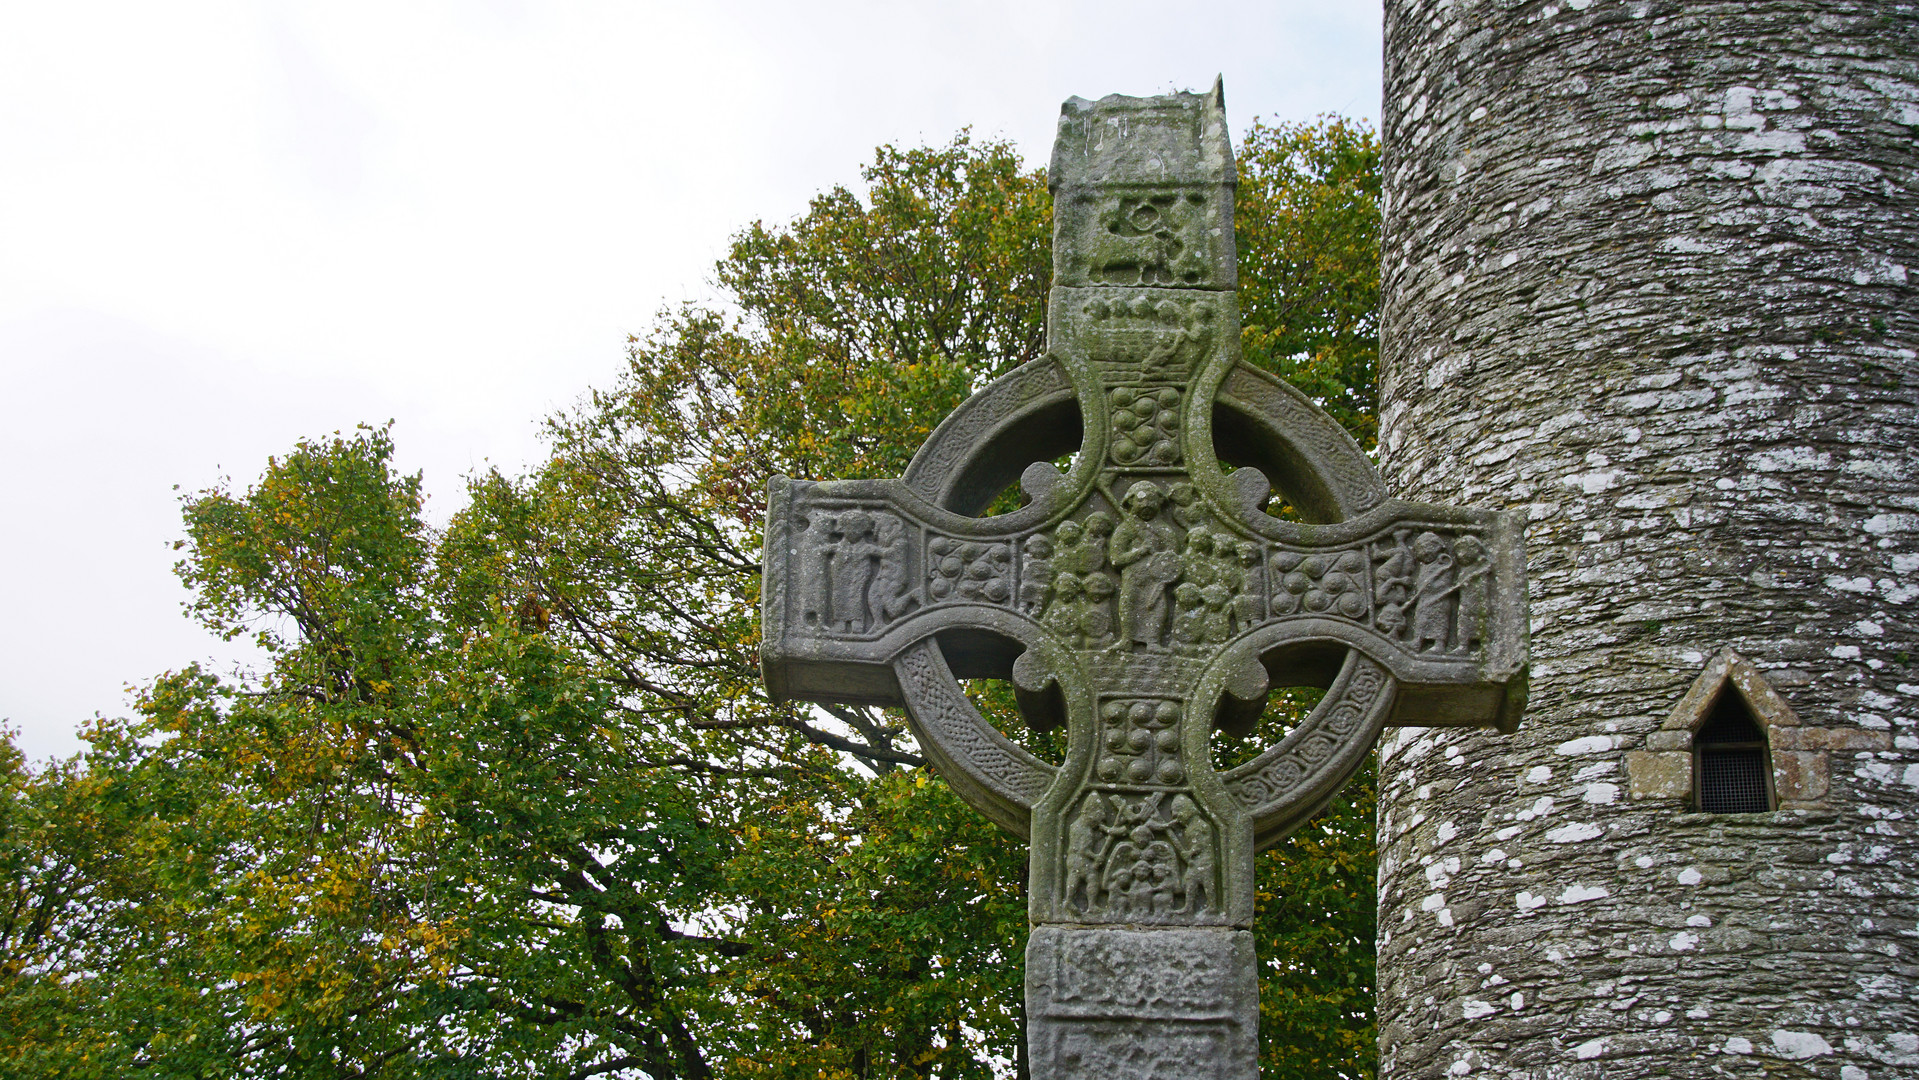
x,y
1148,594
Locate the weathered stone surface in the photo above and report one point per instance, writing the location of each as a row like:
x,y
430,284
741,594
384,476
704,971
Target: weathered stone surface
x,y
1141,195
1143,598
1800,776
1659,775
1177,1004
1729,672
1646,279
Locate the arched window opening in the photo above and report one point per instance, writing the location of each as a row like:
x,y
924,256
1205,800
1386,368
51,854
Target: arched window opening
x,y
1732,766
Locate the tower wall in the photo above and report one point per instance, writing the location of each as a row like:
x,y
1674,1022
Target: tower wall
x,y
1647,274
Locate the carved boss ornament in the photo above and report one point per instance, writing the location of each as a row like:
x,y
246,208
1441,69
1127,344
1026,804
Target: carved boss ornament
x,y
1144,595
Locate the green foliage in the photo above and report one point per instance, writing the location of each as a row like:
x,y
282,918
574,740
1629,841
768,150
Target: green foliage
x,y
509,799
1308,228
1314,935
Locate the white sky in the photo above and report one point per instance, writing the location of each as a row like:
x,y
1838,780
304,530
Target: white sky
x,y
225,226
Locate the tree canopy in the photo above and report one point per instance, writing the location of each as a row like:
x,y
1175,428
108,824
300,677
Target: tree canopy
x,y
509,799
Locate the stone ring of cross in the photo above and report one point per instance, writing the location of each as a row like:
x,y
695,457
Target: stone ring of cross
x,y
1212,534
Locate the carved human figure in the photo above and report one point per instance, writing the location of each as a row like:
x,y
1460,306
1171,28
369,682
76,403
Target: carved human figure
x,y
1437,593
1036,574
1197,563
1084,839
1186,507
1096,614
887,597
1168,356
1189,616
1098,528
1066,539
850,557
1124,872
822,533
1474,584
1115,855
1391,620
1199,327
1196,852
1064,609
1161,882
1393,585
1189,334
1219,612
1145,550
1076,550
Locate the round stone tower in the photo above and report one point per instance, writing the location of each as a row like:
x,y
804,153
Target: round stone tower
x,y
1647,277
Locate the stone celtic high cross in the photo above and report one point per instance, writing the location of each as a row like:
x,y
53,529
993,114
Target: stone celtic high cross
x,y
1144,596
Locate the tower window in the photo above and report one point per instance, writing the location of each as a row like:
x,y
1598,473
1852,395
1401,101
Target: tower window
x,y
1732,769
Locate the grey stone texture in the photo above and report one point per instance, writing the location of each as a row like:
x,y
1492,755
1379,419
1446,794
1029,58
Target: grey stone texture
x,y
1144,597
1168,1004
1646,280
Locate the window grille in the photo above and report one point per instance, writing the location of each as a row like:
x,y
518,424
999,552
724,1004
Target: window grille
x,y
1732,769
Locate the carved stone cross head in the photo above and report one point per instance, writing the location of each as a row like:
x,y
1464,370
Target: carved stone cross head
x,y
1151,592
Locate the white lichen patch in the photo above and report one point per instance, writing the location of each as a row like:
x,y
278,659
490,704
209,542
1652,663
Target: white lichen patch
x,y
1575,832
1799,1045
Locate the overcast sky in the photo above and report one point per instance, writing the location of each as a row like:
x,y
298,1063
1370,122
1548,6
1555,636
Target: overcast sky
x,y
227,226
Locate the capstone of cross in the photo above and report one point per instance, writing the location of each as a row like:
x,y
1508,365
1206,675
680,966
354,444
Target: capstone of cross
x,y
1213,535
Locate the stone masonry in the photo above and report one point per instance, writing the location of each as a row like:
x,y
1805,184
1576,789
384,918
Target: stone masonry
x,y
1647,277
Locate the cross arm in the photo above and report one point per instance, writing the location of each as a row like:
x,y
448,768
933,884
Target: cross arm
x,y
872,596
1435,595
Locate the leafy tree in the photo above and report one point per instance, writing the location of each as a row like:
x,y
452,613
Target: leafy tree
x,y
1308,230
510,799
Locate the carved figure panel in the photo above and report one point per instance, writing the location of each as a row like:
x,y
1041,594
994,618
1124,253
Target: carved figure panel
x,y
856,571
1156,236
1141,857
1148,338
1145,550
1431,591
